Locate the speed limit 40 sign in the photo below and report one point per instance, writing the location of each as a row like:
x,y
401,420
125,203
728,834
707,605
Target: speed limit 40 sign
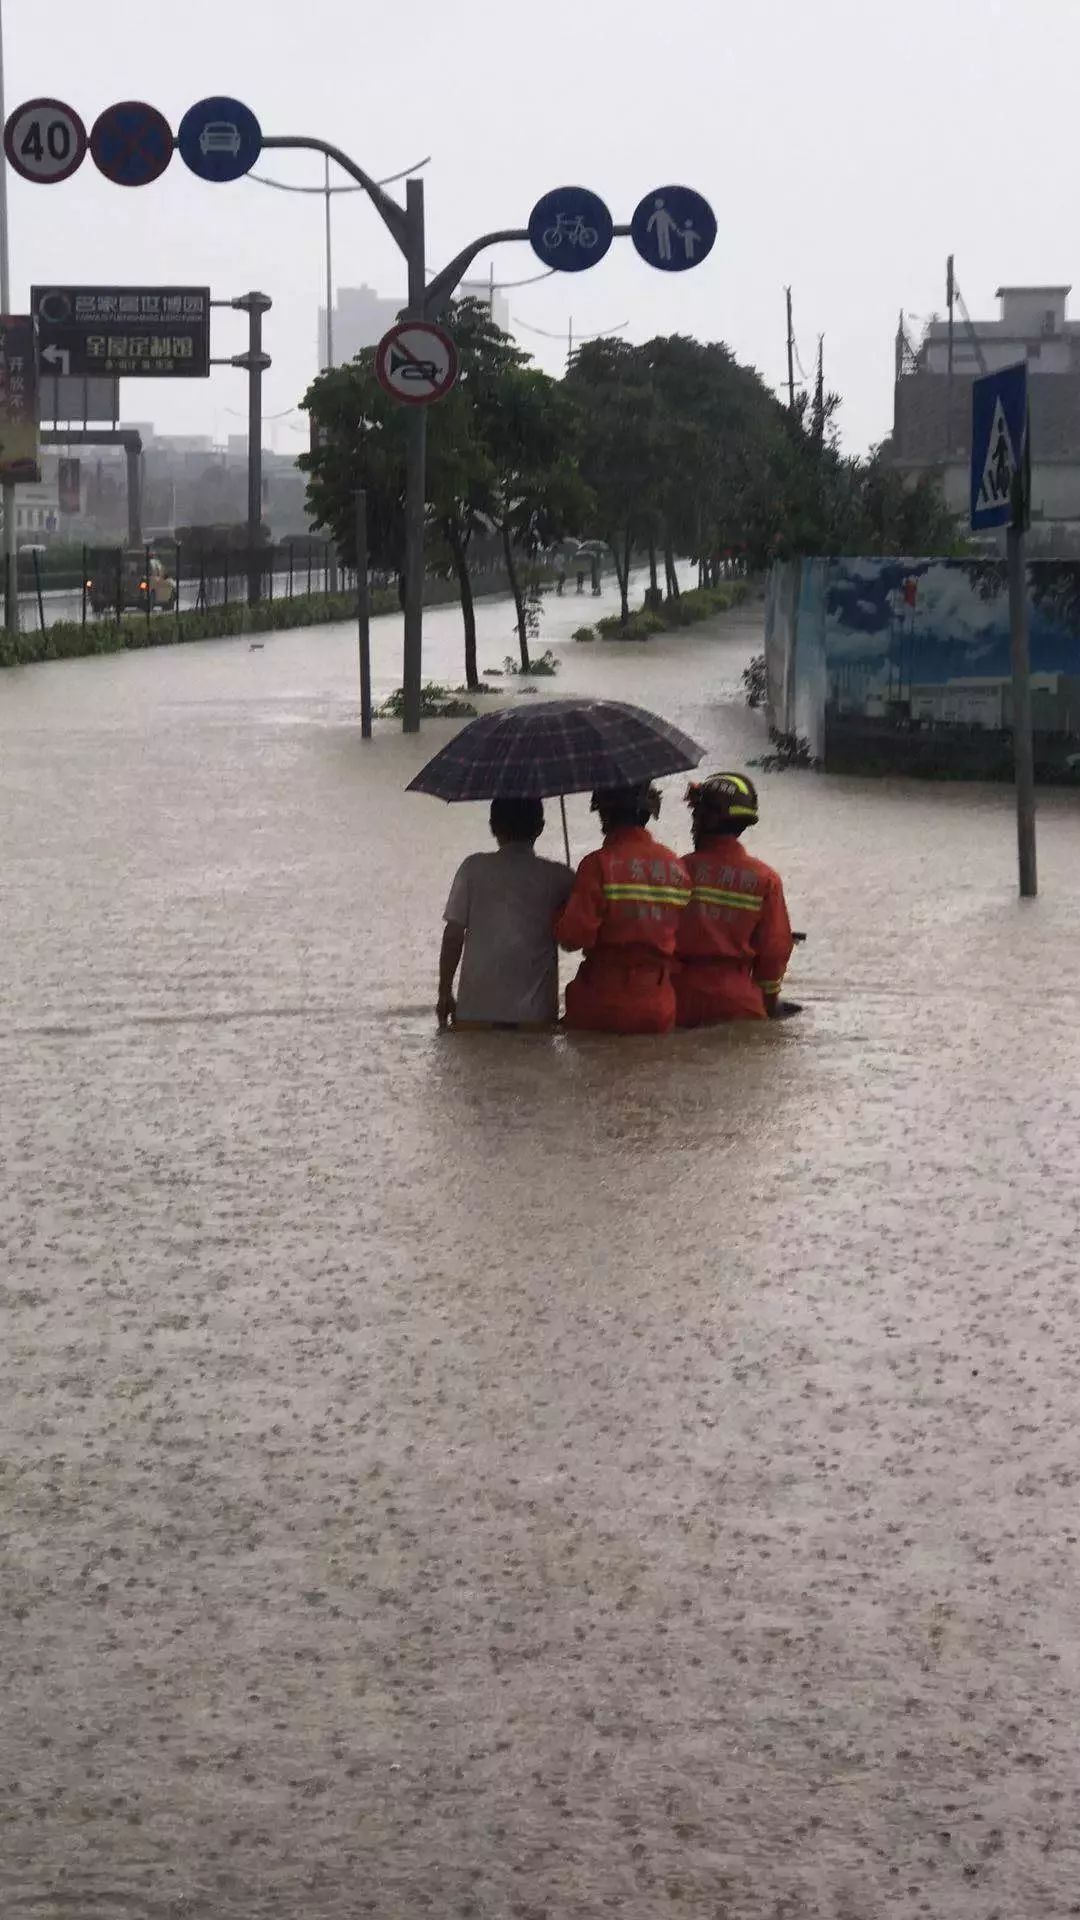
x,y
45,141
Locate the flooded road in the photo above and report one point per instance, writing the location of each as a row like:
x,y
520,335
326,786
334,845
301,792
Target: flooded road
x,y
496,1476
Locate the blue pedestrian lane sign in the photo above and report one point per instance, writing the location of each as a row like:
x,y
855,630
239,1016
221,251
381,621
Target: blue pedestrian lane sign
x,y
673,228
999,449
570,229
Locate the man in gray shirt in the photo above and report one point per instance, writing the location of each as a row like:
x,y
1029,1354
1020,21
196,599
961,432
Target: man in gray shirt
x,y
501,915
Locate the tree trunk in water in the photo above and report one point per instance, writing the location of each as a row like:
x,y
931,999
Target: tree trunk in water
x,y
519,602
468,611
669,568
622,572
653,585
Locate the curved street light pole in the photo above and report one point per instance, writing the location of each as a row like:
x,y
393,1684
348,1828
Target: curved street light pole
x,y
327,191
425,300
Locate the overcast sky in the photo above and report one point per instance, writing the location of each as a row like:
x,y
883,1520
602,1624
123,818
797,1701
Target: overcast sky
x,y
846,147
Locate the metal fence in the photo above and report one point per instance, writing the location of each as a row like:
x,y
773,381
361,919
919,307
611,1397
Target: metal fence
x,y
114,583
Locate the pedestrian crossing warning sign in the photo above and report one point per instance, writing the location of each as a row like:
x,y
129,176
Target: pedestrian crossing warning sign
x,y
998,444
995,487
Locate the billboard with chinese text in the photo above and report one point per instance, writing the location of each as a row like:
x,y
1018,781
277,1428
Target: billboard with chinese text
x,y
20,459
137,332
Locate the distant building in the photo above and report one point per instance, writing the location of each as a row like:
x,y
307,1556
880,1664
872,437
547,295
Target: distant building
x,y
497,302
37,506
361,317
932,409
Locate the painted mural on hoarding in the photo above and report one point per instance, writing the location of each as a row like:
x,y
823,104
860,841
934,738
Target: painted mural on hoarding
x,y
904,664
919,649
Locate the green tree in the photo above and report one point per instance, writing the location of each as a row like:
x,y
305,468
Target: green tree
x,y
493,460
617,455
527,426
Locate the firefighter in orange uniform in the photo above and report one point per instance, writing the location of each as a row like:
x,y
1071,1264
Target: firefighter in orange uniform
x,y
735,937
624,912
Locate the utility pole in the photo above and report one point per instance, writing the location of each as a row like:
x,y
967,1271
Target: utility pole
x,y
817,418
11,576
329,269
950,300
255,363
790,353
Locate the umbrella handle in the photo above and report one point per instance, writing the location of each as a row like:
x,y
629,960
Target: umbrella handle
x,y
565,835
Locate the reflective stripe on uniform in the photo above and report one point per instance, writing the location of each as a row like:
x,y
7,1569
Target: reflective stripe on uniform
x,y
652,896
725,897
770,986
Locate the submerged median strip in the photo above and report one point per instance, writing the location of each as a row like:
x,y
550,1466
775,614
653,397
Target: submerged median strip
x,y
73,639
76,639
699,603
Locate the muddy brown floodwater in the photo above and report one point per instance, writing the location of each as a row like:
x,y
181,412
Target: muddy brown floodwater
x,y
505,1477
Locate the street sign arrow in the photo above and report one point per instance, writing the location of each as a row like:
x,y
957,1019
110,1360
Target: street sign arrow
x,y
59,358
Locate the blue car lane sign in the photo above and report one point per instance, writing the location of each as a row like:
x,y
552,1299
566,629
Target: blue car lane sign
x,y
219,139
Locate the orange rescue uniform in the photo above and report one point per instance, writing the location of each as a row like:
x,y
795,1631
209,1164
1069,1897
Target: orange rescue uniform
x,y
624,911
735,937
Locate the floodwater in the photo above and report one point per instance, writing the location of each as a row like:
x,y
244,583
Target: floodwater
x,y
497,1476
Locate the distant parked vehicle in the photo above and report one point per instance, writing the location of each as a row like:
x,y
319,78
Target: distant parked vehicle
x,y
120,583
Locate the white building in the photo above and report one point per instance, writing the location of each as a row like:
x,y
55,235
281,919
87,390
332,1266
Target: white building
x,y
1032,325
362,316
932,411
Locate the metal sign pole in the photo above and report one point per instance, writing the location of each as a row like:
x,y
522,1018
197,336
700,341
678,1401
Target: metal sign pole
x,y
1023,750
11,576
415,480
362,613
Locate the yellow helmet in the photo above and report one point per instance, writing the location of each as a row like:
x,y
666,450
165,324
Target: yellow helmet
x,y
721,798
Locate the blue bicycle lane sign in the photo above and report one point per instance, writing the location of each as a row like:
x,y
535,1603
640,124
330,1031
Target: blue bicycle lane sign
x,y
570,229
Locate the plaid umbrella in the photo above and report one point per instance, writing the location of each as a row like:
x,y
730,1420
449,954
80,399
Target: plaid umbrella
x,y
555,747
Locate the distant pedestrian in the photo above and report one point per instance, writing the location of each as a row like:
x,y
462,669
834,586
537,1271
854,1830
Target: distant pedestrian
x,y
581,582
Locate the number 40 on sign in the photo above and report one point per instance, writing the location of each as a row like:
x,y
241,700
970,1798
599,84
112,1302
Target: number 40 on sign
x,y
45,141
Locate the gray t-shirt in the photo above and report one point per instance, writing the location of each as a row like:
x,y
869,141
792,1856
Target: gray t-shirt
x,y
507,903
